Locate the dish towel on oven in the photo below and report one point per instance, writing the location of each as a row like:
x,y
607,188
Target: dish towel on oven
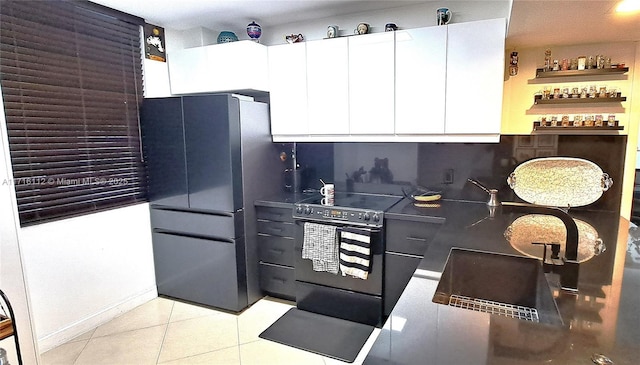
x,y
355,252
320,245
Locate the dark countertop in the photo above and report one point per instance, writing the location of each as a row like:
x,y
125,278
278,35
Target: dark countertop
x,y
603,318
282,199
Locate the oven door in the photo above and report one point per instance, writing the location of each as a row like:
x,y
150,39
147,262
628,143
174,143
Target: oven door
x,y
372,285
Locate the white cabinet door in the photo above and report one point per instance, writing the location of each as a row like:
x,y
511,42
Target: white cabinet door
x,y
371,83
221,67
328,86
421,71
475,77
187,71
288,84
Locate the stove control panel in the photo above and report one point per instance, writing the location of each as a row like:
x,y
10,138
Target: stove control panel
x,y
334,214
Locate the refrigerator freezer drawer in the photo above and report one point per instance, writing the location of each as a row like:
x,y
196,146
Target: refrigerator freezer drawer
x,y
198,270
197,224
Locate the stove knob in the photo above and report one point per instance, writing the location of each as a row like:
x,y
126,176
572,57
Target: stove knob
x,y
299,209
376,217
307,210
366,216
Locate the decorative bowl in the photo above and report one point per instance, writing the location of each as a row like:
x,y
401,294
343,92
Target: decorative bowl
x,y
226,37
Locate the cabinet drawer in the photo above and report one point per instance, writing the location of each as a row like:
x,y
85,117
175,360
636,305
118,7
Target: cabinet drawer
x,y
277,280
409,237
200,224
274,214
276,250
281,229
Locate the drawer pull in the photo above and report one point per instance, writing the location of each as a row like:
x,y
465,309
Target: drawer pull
x,y
277,250
417,239
280,280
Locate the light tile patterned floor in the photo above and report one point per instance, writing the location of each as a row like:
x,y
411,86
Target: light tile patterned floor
x,y
164,331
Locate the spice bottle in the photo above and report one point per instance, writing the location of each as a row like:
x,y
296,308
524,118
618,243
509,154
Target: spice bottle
x,y
547,60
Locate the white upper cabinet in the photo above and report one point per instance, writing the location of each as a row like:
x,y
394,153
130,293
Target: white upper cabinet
x,y
421,71
371,83
475,77
328,86
432,84
288,94
222,67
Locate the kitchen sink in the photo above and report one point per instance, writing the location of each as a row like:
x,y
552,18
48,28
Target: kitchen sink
x,y
501,284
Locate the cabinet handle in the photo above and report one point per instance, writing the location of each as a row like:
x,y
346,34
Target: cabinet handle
x,y
279,280
417,239
276,250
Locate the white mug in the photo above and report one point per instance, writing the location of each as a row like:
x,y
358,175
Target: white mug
x,y
328,193
327,201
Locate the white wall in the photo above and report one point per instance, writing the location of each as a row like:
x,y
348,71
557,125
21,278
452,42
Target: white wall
x,y
12,281
86,270
156,79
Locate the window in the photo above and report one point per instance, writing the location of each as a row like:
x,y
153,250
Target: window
x,y
71,79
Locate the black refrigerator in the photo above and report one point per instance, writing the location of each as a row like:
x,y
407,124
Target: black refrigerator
x,y
208,158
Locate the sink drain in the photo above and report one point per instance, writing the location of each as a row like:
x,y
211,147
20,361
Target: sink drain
x,y
502,309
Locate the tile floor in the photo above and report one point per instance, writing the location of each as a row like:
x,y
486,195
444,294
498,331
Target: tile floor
x,y
163,331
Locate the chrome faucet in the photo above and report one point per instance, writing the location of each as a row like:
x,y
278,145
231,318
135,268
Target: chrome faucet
x,y
493,193
567,267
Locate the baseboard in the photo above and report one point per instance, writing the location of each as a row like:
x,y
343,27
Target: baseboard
x,y
88,323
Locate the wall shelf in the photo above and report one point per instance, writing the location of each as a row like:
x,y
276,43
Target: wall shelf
x,y
540,73
539,101
570,129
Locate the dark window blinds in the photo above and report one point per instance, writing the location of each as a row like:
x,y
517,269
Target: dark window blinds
x,y
71,78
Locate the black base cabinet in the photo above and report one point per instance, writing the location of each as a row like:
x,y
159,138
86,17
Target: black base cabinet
x,y
275,251
278,281
406,244
399,269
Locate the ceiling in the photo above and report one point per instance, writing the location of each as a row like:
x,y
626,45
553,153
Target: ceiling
x,y
533,23
538,23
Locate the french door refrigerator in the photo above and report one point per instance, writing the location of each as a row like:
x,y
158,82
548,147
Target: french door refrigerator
x,y
208,157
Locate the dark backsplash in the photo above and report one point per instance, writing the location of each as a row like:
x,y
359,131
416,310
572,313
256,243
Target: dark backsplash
x,y
388,167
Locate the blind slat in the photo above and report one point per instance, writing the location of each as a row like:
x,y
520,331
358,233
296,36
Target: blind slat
x,y
71,78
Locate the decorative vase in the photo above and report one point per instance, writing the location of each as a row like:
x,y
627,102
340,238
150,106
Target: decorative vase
x,y
226,37
254,31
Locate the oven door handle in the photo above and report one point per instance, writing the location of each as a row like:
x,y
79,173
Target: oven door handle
x,y
301,223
